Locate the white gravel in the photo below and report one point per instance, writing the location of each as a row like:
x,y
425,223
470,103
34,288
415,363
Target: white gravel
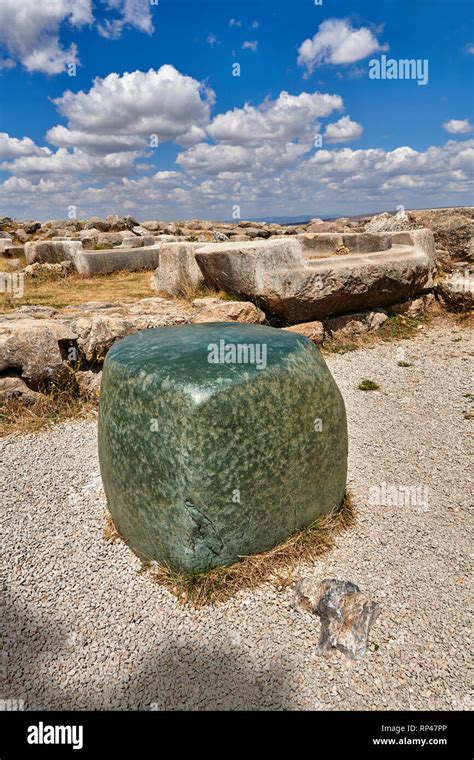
x,y
88,632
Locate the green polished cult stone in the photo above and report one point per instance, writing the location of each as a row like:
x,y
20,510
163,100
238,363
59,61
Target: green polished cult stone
x,y
218,440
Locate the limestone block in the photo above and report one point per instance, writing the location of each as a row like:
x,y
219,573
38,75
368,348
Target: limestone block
x,y
52,251
177,273
277,276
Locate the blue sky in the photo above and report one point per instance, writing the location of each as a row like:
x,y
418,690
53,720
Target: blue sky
x,y
154,123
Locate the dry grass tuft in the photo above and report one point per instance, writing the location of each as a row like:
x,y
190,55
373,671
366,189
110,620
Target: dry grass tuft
x,y
57,405
190,292
275,566
395,328
368,385
5,267
110,530
465,320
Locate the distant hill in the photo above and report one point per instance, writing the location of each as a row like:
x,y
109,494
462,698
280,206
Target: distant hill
x,y
287,220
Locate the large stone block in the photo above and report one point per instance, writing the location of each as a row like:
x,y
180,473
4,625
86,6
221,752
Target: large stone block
x,y
218,440
5,243
240,268
52,251
116,260
35,347
138,242
457,290
177,273
277,276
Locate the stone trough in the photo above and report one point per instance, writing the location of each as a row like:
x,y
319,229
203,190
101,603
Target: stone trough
x,y
116,259
299,280
305,277
323,245
90,262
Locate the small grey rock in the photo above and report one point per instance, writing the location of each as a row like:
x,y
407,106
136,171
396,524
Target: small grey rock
x,y
346,615
219,237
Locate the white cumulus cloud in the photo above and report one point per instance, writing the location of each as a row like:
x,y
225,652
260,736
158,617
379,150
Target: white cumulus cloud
x,y
458,126
29,32
124,111
205,159
131,13
343,131
338,42
95,144
14,147
75,162
289,117
329,181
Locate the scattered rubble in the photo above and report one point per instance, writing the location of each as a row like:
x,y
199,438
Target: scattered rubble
x,y
61,269
215,310
320,279
457,291
388,222
312,330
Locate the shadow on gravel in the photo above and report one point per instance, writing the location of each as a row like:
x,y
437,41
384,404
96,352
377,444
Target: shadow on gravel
x,y
177,677
31,645
203,679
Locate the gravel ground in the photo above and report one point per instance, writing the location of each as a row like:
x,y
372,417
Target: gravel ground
x,y
88,632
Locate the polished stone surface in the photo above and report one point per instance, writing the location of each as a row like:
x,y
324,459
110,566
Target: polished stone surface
x,y
218,440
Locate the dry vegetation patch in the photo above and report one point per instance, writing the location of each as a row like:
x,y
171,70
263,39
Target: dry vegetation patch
x,y
398,327
276,566
58,404
76,289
